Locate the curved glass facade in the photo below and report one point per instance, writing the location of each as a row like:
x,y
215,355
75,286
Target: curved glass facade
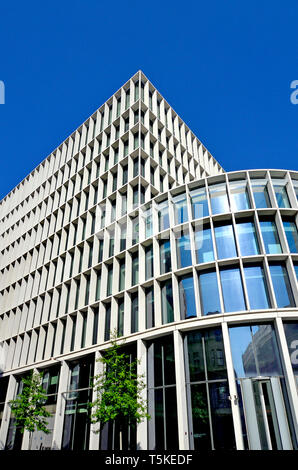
x,y
206,287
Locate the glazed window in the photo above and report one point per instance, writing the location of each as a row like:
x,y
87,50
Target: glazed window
x,y
199,203
219,198
204,245
187,297
281,284
232,290
270,237
209,295
256,287
247,238
225,241
239,196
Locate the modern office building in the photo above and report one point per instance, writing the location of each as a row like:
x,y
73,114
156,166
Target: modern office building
x,y
131,225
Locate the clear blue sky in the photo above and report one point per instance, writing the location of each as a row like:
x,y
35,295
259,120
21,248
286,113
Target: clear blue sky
x,y
224,66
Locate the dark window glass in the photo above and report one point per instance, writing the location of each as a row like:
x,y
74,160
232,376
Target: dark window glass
x,y
122,275
120,330
210,407
167,301
187,297
149,262
149,294
135,269
134,312
165,256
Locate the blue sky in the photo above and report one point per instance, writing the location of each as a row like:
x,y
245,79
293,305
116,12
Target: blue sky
x,y
224,66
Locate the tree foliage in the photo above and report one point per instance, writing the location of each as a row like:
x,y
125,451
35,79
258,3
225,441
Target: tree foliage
x,y
28,408
118,389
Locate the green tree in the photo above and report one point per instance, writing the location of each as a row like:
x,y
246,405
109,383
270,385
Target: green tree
x,y
28,407
118,390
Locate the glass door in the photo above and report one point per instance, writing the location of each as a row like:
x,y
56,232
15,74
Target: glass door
x,y
265,414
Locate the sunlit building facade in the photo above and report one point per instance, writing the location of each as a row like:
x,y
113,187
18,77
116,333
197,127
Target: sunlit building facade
x,y
130,225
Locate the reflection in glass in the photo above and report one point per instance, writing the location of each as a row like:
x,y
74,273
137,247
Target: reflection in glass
x,y
187,297
209,295
247,238
200,417
281,193
163,428
120,330
166,424
232,290
122,275
149,295
135,269
134,312
147,215
291,332
296,269
295,184
148,262
281,284
180,209
256,287
199,203
204,245
255,351
260,192
107,323
167,301
163,216
225,242
165,256
210,406
206,356
219,198
291,234
239,196
270,237
183,250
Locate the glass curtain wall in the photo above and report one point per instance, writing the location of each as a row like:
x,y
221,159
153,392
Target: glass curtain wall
x,y
209,407
76,428
262,393
163,425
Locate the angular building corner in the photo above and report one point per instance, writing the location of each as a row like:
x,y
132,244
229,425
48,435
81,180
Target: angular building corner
x,y
131,225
